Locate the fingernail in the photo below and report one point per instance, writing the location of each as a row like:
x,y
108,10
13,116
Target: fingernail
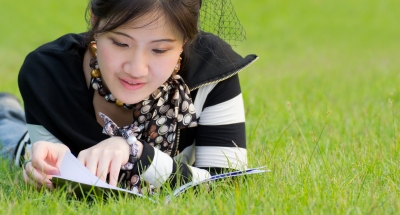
x,y
49,186
54,172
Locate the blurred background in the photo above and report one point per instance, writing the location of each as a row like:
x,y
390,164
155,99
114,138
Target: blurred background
x,y
317,54
345,41
342,39
322,101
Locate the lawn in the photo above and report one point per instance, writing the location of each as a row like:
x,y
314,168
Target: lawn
x,y
322,110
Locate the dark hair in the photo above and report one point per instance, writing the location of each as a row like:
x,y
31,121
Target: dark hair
x,y
182,14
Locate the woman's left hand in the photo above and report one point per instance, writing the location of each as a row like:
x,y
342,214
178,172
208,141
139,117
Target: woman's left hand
x,y
108,156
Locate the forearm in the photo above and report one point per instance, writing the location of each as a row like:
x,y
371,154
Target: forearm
x,y
159,168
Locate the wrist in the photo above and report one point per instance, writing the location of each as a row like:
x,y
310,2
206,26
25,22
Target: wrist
x,y
140,147
135,151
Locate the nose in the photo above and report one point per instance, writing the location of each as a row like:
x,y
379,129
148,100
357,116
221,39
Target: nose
x,y
136,65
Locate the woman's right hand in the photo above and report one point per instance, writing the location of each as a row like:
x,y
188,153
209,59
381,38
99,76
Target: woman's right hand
x,y
46,159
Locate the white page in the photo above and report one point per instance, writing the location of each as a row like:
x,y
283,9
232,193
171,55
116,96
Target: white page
x,y
72,169
184,187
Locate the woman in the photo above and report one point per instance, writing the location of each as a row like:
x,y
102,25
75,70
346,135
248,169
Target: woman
x,y
138,54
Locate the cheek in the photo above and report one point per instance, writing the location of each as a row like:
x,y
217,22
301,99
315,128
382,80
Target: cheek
x,y
107,60
102,60
164,66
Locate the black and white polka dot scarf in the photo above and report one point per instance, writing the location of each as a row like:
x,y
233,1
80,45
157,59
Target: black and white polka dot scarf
x,y
167,109
157,118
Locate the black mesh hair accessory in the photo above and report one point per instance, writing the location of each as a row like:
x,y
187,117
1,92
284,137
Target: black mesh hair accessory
x,y
219,17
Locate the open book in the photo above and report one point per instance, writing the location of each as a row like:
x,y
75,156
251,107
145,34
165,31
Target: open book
x,y
76,177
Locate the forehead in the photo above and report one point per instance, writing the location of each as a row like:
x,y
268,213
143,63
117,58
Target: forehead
x,y
153,23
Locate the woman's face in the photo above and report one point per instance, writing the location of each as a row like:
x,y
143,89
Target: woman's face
x,y
138,57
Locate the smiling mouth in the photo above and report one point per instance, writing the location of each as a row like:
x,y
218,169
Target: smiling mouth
x,y
132,82
129,85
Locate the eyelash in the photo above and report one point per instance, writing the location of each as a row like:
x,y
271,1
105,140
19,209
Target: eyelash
x,y
119,44
157,51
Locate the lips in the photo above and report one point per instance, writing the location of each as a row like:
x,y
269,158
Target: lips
x,y
132,84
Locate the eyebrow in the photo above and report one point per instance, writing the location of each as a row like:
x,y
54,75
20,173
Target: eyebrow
x,y
163,40
153,41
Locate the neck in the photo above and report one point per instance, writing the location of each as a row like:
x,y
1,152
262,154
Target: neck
x,y
120,116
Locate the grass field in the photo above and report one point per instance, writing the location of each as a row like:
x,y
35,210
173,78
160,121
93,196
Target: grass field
x,y
322,110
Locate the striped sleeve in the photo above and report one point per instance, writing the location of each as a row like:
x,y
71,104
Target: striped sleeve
x,y
158,168
219,139
220,136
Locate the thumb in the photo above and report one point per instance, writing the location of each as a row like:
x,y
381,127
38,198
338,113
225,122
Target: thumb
x,y
60,150
46,168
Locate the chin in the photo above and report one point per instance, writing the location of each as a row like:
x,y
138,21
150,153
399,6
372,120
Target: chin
x,y
132,99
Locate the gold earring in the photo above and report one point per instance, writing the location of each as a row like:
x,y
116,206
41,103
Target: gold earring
x,y
93,51
178,65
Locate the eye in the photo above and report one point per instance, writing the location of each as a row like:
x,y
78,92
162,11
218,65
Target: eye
x,y
159,51
119,44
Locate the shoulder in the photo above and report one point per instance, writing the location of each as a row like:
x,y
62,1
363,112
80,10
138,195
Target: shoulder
x,y
212,60
67,45
51,59
52,71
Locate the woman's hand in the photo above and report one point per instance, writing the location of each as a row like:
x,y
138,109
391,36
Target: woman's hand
x,y
46,159
107,157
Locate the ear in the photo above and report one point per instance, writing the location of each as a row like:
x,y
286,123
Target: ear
x,y
93,18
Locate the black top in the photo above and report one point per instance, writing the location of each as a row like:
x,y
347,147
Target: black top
x,y
53,86
56,96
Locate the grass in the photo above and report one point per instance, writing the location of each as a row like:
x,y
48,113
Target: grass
x,y
322,110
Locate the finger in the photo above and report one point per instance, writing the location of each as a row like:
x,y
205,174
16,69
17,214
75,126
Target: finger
x,y
33,173
92,165
43,158
115,167
28,180
36,178
42,166
31,182
82,158
60,158
103,168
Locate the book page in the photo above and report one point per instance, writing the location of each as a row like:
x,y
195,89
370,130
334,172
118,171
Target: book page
x,y
185,187
72,171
